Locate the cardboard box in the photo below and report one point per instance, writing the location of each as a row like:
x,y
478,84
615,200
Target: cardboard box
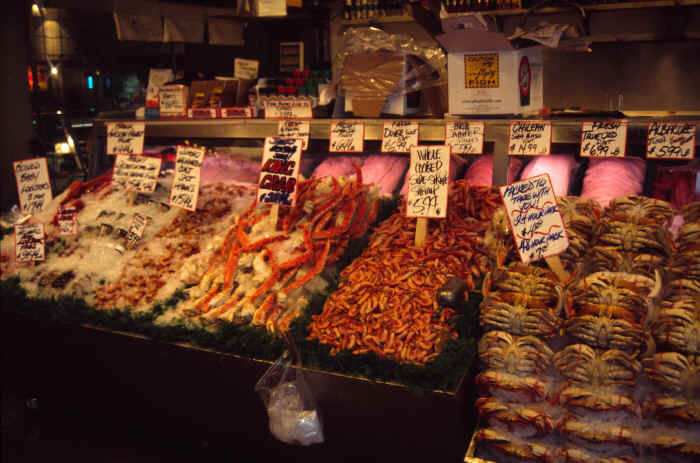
x,y
486,74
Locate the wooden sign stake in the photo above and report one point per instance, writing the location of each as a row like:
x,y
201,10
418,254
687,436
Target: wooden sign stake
x,y
274,215
421,231
558,268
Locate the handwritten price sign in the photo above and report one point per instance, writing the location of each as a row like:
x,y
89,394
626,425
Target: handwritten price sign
x,y
348,137
173,101
671,140
67,220
245,68
33,184
279,171
136,230
530,138
185,189
600,139
399,136
465,137
125,137
295,129
428,176
29,243
136,173
534,218
288,110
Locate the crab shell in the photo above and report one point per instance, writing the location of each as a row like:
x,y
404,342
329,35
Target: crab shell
x,y
577,455
581,364
674,372
511,388
592,436
503,445
691,212
640,207
580,401
677,446
678,328
606,332
525,421
517,319
525,355
670,408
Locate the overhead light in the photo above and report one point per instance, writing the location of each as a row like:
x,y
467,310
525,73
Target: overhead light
x,y
59,112
35,9
54,71
62,148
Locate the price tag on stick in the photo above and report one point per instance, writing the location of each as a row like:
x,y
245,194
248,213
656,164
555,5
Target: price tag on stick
x,y
347,137
535,221
125,138
671,140
29,243
33,184
465,137
279,171
399,136
67,220
600,139
530,138
428,176
185,189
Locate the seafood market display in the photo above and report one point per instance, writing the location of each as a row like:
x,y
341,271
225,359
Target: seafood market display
x,y
386,301
264,273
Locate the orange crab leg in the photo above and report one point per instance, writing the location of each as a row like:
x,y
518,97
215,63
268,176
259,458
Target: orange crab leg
x,y
320,263
261,314
265,287
204,303
233,300
349,214
263,242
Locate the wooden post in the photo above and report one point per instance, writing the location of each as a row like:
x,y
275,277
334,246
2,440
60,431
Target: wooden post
x,y
558,268
274,215
421,231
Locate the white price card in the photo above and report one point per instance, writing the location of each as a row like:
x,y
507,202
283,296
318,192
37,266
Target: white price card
x,y
530,138
288,109
245,68
295,129
671,140
428,176
185,189
279,171
534,217
125,137
601,139
465,137
347,136
33,184
399,136
67,220
136,230
173,101
136,173
29,243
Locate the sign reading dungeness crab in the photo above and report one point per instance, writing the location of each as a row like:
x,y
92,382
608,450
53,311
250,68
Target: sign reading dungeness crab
x,y
534,217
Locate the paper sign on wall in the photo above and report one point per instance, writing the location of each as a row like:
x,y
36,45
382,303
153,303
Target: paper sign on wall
x,y
245,68
603,139
399,136
347,137
465,137
173,101
288,109
534,218
29,243
279,171
136,173
33,184
295,129
671,140
428,176
67,220
185,189
125,137
530,138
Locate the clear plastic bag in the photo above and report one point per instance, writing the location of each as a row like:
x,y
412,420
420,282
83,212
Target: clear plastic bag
x,y
293,413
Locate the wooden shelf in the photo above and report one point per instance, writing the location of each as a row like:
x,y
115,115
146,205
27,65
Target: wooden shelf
x,y
522,11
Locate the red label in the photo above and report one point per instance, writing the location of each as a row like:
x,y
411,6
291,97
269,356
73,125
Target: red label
x,y
524,76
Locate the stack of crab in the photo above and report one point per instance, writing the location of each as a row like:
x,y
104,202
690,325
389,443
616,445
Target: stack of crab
x,y
520,310
673,408
268,267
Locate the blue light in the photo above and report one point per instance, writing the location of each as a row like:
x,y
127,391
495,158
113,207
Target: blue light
x,y
90,83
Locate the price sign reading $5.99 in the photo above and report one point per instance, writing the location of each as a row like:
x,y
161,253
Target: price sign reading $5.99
x,y
427,181
671,140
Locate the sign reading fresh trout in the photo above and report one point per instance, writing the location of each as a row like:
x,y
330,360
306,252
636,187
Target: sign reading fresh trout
x,y
671,140
279,171
534,218
603,139
33,184
428,175
185,189
530,138
125,137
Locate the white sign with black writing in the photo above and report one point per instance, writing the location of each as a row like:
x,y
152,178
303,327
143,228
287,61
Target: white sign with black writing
x,y
347,137
399,136
245,68
428,176
136,230
671,140
288,109
136,173
600,139
279,171
125,137
534,218
29,243
172,100
67,220
295,129
185,189
465,137
530,138
33,184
